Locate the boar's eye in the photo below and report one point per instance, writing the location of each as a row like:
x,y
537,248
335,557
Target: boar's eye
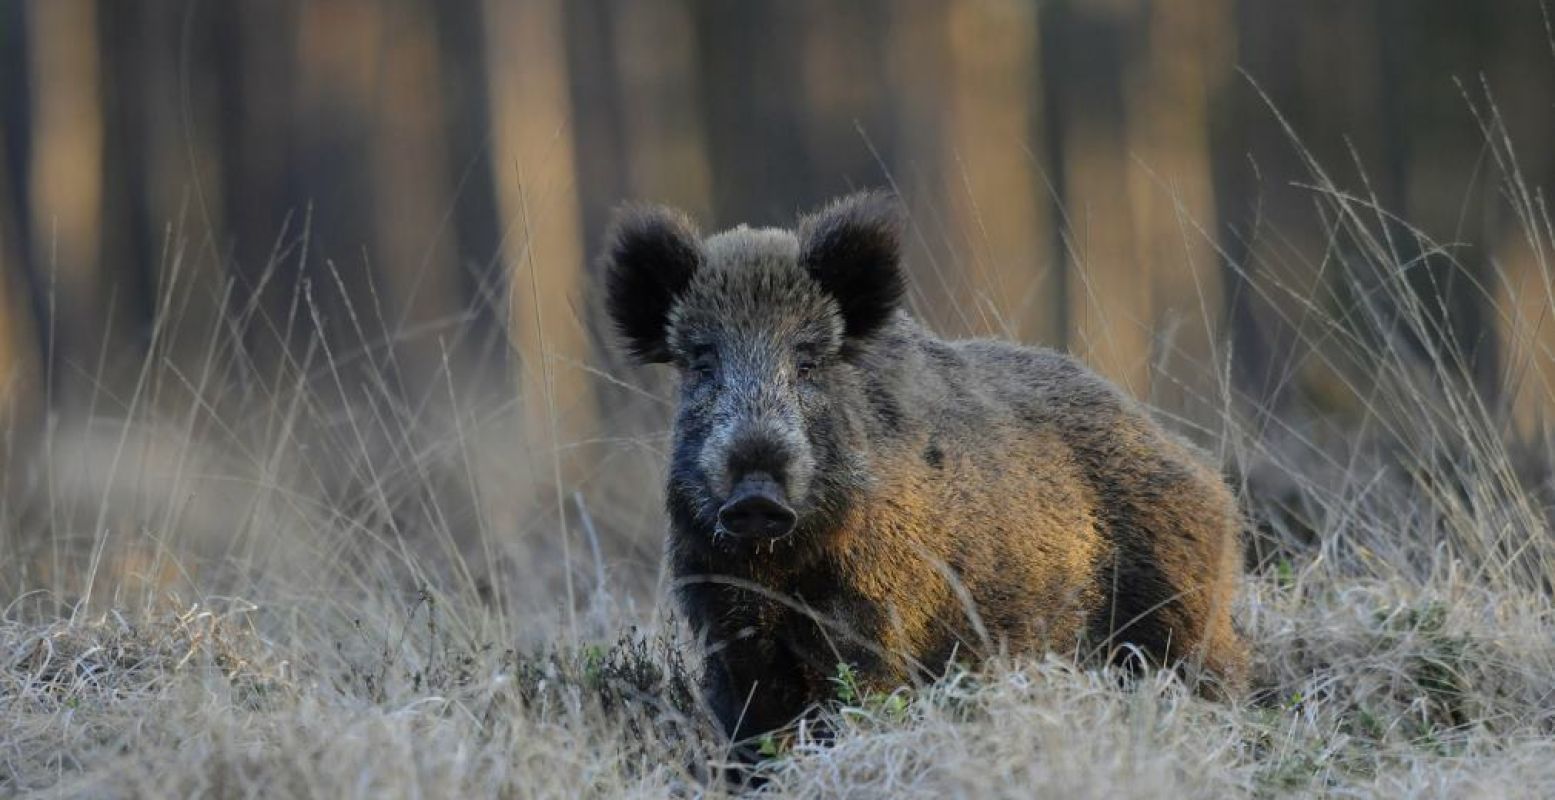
x,y
704,362
805,366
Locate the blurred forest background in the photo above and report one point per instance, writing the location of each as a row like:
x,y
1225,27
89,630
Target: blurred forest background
x,y
418,188
321,476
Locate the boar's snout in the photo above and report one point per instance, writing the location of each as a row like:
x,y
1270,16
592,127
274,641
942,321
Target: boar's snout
x,y
757,509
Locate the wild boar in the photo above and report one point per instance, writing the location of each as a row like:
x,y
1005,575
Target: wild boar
x,y
847,487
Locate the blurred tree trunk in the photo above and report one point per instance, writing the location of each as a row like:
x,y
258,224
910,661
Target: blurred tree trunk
x,y
1519,269
1416,95
845,62
66,190
1524,294
250,192
595,97
538,194
1278,290
340,69
594,84
1186,60
751,95
21,389
415,252
176,203
20,392
1249,147
476,219
1109,279
1322,73
994,186
919,58
660,88
152,136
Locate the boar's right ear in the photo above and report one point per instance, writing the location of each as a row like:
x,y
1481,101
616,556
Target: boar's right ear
x,y
651,254
853,249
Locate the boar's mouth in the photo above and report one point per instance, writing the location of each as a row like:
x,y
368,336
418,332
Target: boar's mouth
x,y
757,508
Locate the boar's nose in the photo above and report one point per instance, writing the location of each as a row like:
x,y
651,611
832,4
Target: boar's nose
x,y
757,509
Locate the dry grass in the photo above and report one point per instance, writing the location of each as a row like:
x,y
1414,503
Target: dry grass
x,y
303,580
1369,687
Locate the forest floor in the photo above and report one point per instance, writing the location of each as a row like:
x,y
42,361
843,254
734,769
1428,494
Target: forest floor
x,y
1365,685
1398,610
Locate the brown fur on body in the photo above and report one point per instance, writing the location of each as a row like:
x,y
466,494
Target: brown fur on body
x,y
955,499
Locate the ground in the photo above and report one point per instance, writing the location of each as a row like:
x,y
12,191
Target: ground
x,y
1365,686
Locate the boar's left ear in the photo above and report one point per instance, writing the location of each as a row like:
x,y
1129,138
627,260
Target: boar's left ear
x,y
853,249
651,254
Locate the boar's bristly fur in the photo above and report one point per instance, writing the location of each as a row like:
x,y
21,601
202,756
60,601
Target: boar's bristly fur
x,y
852,249
845,486
651,256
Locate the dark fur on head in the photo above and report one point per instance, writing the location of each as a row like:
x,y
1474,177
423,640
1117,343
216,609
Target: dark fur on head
x,y
761,324
652,254
853,249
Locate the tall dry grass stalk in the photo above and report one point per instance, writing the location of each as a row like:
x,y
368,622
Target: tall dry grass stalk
x,y
288,567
